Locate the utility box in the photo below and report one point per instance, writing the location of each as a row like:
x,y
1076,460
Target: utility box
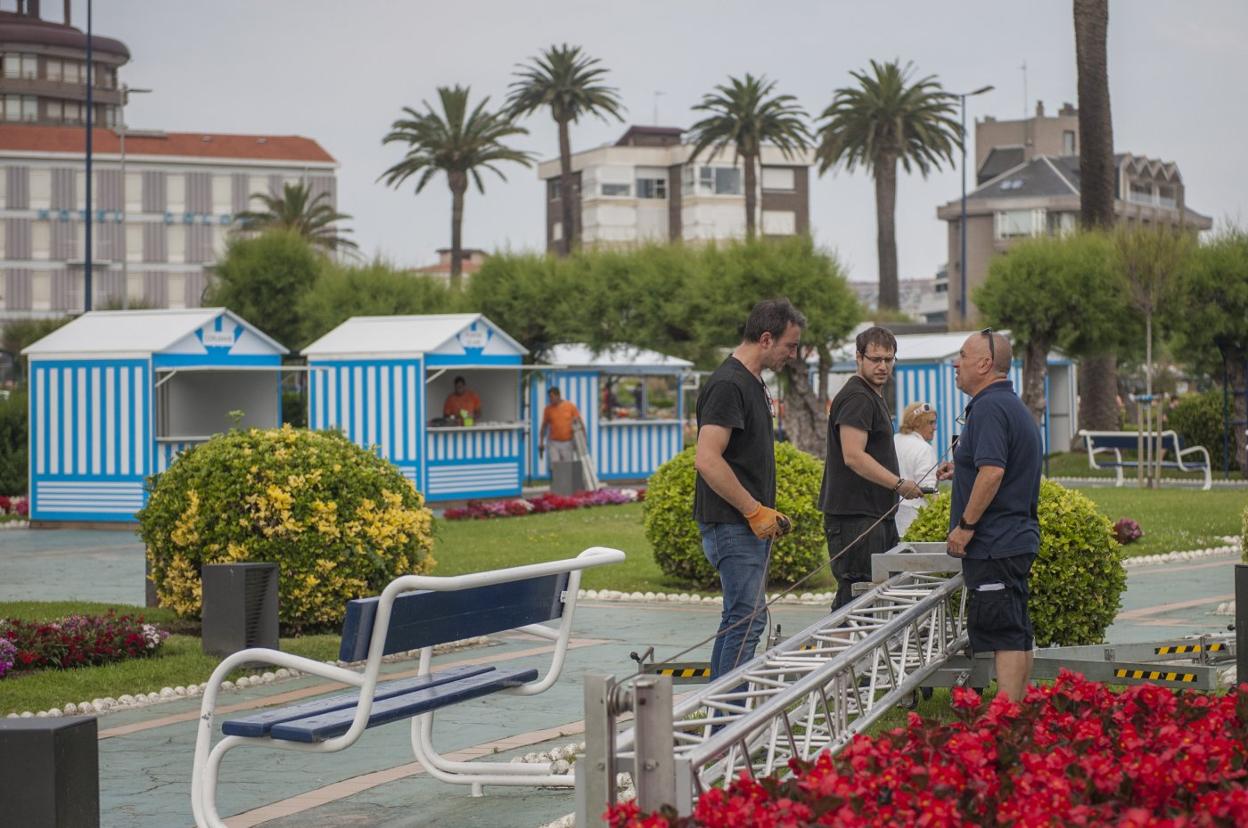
x,y
567,477
51,772
240,607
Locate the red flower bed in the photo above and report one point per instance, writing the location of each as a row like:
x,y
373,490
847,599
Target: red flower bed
x,y
1071,754
75,641
547,502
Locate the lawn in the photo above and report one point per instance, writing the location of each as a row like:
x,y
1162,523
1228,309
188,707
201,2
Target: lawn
x,y
1174,520
1075,464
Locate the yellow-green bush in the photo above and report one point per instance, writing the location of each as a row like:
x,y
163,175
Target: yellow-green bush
x,y
339,521
1243,537
672,532
1078,578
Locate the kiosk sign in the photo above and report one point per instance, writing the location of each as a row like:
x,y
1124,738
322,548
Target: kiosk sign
x,y
472,339
218,339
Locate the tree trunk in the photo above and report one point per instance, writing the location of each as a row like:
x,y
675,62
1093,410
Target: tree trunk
x,y
565,191
804,419
751,195
1035,369
1096,130
459,185
1098,393
886,229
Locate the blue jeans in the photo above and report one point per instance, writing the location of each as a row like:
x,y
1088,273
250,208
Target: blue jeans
x,y
740,558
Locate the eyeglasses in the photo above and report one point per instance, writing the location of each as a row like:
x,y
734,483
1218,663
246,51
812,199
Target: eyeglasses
x,y
878,360
992,344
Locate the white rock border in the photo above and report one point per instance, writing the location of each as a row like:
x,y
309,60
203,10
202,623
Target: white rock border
x,y
126,701
1180,481
1231,546
14,524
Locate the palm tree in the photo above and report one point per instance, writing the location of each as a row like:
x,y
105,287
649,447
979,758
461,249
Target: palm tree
x,y
570,83
885,119
459,142
745,115
1099,373
297,209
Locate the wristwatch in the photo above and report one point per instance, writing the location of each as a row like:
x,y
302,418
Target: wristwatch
x,y
970,527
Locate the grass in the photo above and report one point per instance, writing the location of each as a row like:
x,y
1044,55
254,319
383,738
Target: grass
x,y
1174,519
1075,464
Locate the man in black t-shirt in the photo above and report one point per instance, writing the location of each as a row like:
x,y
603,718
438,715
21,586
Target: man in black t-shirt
x,y
860,480
735,492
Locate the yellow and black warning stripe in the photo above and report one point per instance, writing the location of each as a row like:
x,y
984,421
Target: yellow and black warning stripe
x,y
1154,675
1190,648
684,672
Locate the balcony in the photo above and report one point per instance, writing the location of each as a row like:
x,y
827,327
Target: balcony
x,y
44,88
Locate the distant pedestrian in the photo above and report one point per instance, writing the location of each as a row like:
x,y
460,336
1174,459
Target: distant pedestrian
x,y
559,418
735,492
861,481
994,524
916,458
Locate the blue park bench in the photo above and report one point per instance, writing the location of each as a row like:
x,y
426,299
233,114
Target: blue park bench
x,y
1116,442
413,612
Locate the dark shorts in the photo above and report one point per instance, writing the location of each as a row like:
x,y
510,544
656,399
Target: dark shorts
x,y
996,611
841,530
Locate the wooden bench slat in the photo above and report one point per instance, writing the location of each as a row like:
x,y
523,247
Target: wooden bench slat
x,y
318,728
424,618
259,724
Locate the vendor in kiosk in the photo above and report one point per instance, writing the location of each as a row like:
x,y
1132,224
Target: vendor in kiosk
x,y
462,405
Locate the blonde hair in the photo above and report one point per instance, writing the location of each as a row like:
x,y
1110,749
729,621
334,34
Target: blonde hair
x,y
916,415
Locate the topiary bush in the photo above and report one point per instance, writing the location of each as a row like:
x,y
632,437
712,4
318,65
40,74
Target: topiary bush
x,y
1243,536
1198,420
673,533
339,521
1078,578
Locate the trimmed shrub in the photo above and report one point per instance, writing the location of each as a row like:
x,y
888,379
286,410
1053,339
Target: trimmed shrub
x,y
1198,420
1078,578
13,443
673,533
339,521
1243,536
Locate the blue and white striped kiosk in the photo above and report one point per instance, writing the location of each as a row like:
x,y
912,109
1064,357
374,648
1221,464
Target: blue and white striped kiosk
x,y
627,442
115,395
382,381
925,373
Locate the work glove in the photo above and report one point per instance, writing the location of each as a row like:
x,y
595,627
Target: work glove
x,y
766,523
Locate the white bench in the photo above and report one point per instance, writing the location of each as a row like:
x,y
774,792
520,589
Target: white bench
x,y
1116,442
413,612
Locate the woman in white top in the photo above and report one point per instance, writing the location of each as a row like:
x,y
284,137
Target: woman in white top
x,y
916,458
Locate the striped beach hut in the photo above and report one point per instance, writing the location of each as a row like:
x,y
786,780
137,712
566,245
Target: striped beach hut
x,y
627,442
382,381
925,373
115,395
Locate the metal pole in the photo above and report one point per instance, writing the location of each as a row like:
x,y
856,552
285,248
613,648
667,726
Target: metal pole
x,y
86,267
1226,419
125,254
655,763
595,772
1241,622
962,309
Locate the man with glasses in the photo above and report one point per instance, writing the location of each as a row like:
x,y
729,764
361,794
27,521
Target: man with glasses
x,y
861,484
993,521
735,491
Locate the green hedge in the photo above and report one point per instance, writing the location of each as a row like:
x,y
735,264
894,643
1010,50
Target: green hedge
x,y
672,532
1078,578
1197,417
338,520
13,443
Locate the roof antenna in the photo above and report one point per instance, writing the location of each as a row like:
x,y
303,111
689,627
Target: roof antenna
x,y
657,94
1024,71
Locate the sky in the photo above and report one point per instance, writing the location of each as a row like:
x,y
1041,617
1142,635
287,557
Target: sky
x,y
340,72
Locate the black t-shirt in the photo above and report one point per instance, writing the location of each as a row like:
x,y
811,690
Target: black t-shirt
x,y
843,491
734,398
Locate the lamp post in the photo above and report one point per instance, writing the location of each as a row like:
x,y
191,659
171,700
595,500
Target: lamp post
x,y
87,217
962,305
126,92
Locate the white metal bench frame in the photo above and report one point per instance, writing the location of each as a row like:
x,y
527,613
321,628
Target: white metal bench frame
x,y
1090,437
204,775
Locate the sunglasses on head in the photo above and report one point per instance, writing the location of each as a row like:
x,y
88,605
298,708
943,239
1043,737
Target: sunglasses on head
x,y
992,344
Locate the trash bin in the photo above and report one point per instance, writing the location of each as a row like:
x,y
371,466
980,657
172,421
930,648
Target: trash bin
x,y
51,772
240,607
567,477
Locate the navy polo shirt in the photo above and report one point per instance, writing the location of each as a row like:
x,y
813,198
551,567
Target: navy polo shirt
x,y
1000,431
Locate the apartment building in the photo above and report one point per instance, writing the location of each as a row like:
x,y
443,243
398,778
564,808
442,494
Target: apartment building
x,y
160,228
643,188
1028,184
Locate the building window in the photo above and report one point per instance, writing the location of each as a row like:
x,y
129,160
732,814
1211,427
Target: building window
x,y
72,71
1015,224
1069,147
616,190
1167,195
40,240
52,69
652,188
552,189
21,66
727,181
556,231
1141,192
1059,224
713,181
55,111
779,223
30,108
779,179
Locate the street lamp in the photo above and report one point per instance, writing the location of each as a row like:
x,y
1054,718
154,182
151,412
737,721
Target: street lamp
x,y
962,309
126,92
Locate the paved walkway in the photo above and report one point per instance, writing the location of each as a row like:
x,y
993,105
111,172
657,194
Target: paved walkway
x,y
145,754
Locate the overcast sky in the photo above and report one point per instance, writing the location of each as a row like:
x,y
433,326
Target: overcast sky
x,y
339,72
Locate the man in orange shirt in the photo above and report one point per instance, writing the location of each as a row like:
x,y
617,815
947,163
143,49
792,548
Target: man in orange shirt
x,y
462,400
557,420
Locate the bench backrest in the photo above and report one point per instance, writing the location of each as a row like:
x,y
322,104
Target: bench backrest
x,y
425,618
1129,441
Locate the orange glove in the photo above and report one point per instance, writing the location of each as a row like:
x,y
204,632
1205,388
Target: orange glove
x,y
767,523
